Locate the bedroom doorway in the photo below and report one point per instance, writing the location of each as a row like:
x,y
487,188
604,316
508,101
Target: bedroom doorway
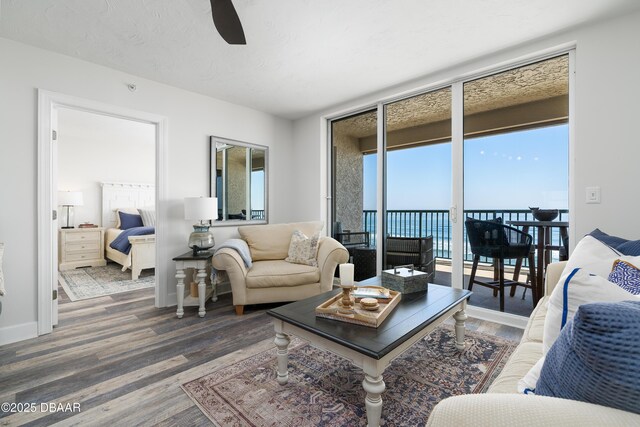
x,y
106,204
75,209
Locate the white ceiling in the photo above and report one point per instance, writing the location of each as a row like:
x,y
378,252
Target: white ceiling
x,y
301,55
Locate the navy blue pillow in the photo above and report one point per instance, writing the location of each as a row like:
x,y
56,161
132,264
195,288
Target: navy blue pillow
x,y
596,358
624,246
128,221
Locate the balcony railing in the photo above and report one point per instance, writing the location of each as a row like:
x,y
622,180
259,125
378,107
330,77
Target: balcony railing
x,y
422,223
257,213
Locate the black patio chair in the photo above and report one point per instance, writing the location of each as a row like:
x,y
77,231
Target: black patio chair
x,y
499,242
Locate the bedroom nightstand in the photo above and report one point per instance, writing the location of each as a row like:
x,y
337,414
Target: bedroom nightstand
x,y
80,247
201,265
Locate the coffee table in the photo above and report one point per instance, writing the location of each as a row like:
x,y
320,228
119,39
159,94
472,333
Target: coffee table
x,y
371,349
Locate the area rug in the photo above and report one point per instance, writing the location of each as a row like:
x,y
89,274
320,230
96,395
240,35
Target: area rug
x,y
326,390
93,282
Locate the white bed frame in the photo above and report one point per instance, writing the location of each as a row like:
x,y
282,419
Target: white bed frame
x,y
143,248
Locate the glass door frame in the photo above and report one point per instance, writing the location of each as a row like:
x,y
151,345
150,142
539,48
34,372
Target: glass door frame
x,y
456,212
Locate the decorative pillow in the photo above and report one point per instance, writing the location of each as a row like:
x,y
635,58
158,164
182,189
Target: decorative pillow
x,y
596,358
574,289
148,217
128,221
595,257
132,211
527,385
303,249
624,246
626,275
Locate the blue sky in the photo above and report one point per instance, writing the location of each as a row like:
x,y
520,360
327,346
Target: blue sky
x,y
513,170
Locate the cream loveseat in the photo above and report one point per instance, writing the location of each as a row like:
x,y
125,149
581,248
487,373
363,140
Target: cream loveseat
x,y
271,278
502,405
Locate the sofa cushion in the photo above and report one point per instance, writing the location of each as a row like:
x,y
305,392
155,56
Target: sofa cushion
x,y
535,326
596,358
624,246
271,242
279,273
523,358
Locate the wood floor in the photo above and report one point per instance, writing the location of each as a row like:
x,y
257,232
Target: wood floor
x,y
123,360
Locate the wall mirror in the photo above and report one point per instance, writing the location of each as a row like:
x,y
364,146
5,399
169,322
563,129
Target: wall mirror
x,y
238,178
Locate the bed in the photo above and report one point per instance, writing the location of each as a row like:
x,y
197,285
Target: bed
x,y
130,199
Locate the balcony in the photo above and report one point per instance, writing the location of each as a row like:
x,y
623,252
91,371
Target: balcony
x,y
422,223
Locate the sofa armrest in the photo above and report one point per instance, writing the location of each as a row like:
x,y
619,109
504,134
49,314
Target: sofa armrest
x,y
554,271
330,254
229,260
495,410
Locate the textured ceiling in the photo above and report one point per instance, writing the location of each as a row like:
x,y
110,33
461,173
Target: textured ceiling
x,y
534,82
301,55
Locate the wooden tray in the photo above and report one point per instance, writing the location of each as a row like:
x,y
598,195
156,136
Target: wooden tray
x,y
360,316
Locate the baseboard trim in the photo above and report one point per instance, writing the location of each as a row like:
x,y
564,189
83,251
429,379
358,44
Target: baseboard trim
x,y
497,317
24,331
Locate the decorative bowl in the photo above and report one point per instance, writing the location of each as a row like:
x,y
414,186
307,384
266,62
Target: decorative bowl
x,y
544,214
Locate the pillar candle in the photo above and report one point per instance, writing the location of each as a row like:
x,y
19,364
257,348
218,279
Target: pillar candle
x,y
346,275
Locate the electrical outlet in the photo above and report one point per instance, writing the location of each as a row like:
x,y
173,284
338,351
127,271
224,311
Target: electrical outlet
x,y
593,195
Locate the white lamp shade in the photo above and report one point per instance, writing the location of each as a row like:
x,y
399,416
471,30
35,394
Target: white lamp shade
x,y
70,198
200,208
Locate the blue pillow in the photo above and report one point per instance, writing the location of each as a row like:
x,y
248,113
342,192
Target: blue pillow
x,y
624,246
625,275
596,358
128,221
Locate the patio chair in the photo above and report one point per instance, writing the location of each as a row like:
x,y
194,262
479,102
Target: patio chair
x,y
499,242
411,250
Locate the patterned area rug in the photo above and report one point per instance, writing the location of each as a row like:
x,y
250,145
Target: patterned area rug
x,y
93,282
326,390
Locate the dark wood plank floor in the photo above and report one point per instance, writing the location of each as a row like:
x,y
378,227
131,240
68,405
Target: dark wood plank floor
x,y
123,360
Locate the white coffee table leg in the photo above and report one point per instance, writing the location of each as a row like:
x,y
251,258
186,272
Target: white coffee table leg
x,y
282,342
180,292
202,290
374,386
460,317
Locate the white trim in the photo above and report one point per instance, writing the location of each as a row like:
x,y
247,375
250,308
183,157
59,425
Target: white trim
x,y
496,316
572,149
47,103
457,185
381,184
15,333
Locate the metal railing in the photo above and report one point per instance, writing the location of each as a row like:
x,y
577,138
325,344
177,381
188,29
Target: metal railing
x,y
422,223
257,213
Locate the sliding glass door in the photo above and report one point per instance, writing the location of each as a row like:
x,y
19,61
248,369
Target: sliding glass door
x,y
354,190
418,184
488,148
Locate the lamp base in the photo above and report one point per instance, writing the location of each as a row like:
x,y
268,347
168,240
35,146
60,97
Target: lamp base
x,y
66,228
201,239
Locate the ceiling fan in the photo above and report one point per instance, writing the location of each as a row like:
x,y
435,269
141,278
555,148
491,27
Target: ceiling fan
x,y
227,22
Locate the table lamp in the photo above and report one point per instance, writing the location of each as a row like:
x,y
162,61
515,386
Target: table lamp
x,y
201,209
69,199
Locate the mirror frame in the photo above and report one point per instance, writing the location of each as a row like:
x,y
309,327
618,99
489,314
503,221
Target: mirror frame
x,y
212,179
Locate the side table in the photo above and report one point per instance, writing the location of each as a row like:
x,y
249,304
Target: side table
x,y
201,263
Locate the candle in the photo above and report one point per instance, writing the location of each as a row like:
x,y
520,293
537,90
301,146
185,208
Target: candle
x,y
346,275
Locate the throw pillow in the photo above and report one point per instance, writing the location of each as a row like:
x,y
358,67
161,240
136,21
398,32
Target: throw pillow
x,y
596,257
626,275
596,358
624,246
303,249
148,217
574,289
527,385
128,221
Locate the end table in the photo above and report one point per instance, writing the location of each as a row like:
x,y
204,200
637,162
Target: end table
x,y
201,263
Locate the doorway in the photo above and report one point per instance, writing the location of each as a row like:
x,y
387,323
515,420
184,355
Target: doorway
x,y
50,104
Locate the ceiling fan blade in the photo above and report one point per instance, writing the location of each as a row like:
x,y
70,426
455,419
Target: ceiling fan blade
x,y
227,21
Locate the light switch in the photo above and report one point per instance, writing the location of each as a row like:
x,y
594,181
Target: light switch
x,y
593,195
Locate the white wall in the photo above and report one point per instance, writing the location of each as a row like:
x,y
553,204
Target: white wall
x,y
191,119
94,148
606,139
